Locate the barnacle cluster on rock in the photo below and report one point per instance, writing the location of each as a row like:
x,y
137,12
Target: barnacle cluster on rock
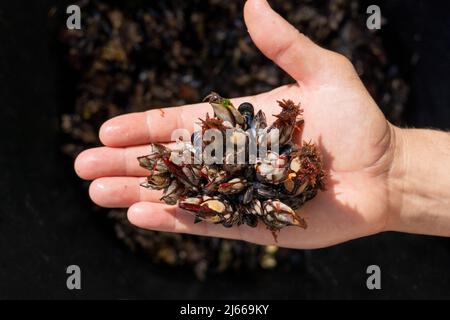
x,y
254,172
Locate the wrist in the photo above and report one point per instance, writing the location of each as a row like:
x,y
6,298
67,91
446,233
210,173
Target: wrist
x,y
396,178
419,182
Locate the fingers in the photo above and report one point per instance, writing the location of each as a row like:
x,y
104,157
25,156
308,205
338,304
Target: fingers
x,y
121,192
111,162
160,217
281,42
154,125
148,212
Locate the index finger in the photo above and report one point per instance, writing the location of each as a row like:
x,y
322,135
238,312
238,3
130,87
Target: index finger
x,y
155,125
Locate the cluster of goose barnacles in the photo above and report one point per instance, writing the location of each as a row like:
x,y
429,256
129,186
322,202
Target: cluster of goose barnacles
x,y
238,170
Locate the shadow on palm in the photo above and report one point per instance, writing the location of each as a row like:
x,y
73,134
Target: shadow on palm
x,y
353,138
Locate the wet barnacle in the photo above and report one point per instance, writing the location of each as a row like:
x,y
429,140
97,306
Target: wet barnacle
x,y
233,186
224,109
210,209
277,215
272,168
251,182
173,192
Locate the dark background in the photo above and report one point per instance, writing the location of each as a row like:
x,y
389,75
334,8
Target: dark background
x,y
47,223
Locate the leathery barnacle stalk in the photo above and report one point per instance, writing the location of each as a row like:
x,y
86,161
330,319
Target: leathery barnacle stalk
x,y
250,181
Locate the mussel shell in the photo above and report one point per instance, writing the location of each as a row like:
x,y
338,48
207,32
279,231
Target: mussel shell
x,y
247,196
246,109
250,220
266,191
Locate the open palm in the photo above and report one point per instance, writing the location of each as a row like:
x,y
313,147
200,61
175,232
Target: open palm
x,y
340,116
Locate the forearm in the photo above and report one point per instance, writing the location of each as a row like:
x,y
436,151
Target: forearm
x,y
420,182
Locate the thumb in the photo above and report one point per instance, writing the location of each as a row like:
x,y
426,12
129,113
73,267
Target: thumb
x,y
281,42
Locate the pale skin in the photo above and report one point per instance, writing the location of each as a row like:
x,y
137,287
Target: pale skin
x,y
381,177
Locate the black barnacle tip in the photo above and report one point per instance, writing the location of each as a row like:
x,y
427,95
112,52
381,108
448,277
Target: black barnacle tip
x,y
250,220
246,108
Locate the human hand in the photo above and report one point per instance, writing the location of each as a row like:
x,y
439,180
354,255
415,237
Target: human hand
x,y
355,138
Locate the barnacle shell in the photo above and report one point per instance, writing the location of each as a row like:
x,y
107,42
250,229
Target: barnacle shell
x,y
210,209
224,109
215,178
173,192
278,215
255,208
157,181
272,169
233,186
